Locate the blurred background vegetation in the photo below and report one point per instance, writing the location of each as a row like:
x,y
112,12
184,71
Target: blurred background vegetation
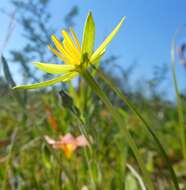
x,y
27,162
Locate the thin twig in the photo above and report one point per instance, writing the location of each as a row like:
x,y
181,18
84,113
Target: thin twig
x,y
137,176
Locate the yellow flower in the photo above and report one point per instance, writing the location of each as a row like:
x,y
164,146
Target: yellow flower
x,y
74,55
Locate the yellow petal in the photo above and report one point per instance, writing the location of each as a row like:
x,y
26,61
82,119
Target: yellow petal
x,y
59,46
107,40
98,57
54,68
88,36
70,42
75,39
55,52
68,150
63,78
57,43
70,52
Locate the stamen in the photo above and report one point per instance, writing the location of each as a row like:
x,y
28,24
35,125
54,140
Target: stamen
x,y
70,42
59,46
69,51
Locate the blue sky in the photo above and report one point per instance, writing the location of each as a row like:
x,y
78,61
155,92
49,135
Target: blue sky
x,y
145,36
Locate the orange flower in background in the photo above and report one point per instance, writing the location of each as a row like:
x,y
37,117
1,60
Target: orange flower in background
x,y
68,143
51,120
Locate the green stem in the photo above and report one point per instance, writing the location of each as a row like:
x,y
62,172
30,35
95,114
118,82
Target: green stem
x,y
9,158
62,167
60,175
119,121
83,131
158,143
178,102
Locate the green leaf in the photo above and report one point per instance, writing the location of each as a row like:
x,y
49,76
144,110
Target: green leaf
x,y
21,98
68,103
63,78
7,73
54,68
88,36
107,40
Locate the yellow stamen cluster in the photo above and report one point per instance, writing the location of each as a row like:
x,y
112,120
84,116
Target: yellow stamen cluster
x,y
68,150
69,50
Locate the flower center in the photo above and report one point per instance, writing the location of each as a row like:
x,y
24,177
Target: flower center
x,y
69,50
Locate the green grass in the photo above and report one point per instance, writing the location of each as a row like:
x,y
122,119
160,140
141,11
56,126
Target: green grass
x,y
28,162
134,140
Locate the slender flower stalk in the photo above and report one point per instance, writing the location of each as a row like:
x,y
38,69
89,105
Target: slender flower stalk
x,y
116,116
178,100
9,158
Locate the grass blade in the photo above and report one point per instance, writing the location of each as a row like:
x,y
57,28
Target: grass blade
x,y
116,116
178,101
158,143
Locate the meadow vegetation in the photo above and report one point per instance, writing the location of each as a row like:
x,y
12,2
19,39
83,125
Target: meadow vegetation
x,y
97,132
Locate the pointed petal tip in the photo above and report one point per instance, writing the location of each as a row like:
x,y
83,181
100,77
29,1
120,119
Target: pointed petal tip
x,y
90,13
17,88
49,140
35,63
90,16
53,37
105,43
123,18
